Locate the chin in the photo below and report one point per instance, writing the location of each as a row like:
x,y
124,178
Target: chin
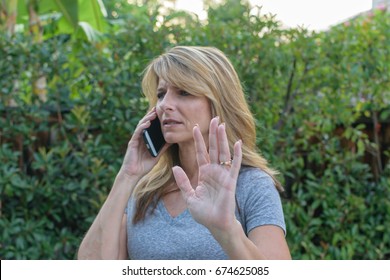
x,y
171,139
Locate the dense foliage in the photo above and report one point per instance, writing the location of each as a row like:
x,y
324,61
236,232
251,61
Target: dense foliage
x,y
321,101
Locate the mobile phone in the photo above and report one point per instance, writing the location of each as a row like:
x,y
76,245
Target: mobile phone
x,y
153,137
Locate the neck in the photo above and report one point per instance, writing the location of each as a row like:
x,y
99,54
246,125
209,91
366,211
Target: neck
x,y
188,162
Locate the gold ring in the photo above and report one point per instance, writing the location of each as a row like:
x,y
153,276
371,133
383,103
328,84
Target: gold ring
x,y
227,163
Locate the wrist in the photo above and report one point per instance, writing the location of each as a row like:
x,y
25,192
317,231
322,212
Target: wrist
x,y
229,235
125,175
125,182
236,244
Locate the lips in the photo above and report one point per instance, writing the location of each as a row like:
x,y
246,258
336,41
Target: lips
x,y
168,122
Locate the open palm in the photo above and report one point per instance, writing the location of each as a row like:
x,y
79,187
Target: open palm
x,y
212,202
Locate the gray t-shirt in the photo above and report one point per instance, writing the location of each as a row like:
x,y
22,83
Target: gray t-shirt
x,y
161,237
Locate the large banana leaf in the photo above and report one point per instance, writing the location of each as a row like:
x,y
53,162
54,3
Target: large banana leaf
x,y
94,13
87,16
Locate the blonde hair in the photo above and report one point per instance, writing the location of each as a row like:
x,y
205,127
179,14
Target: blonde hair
x,y
201,71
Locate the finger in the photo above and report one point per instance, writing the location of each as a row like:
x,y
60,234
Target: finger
x,y
202,156
145,122
223,144
213,140
138,131
237,159
183,182
149,116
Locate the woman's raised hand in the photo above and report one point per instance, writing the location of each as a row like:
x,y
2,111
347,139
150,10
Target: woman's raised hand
x,y
138,161
212,203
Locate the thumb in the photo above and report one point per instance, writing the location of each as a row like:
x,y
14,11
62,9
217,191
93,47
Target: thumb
x,y
182,182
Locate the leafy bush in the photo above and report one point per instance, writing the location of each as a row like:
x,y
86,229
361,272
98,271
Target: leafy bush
x,y
321,102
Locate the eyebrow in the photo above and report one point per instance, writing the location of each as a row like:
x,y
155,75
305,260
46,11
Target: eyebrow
x,y
164,88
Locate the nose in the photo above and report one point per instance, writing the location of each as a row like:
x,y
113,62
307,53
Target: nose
x,y
167,103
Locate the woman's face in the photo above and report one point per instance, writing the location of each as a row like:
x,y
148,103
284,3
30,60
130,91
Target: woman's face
x,y
179,112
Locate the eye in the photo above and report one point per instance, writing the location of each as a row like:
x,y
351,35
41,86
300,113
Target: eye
x,y
184,93
160,94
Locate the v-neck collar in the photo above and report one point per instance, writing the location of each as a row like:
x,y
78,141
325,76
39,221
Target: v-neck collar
x,y
167,216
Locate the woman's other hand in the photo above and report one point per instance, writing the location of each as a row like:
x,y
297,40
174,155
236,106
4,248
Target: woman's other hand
x,y
212,202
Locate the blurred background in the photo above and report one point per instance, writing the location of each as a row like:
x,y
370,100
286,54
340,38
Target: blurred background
x,y
70,98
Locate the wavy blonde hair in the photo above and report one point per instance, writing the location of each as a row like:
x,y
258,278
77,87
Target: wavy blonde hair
x,y
201,71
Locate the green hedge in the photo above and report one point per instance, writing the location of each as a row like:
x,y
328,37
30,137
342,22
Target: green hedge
x,y
321,102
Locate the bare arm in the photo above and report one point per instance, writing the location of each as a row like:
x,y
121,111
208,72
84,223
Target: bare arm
x,y
106,238
263,242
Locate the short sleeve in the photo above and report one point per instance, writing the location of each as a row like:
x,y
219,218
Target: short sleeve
x,y
258,200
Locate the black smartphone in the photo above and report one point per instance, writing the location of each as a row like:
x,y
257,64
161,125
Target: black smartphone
x,y
153,137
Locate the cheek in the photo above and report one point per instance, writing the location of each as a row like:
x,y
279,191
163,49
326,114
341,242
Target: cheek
x,y
207,112
204,120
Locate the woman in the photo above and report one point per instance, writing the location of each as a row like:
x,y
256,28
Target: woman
x,y
208,194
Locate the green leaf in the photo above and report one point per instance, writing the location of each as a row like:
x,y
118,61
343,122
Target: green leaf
x,y
361,147
93,12
87,32
70,11
22,12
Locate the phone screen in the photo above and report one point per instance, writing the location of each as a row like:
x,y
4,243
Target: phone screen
x,y
153,137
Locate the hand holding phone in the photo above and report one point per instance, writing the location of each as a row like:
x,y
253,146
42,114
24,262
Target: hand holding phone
x,y
153,137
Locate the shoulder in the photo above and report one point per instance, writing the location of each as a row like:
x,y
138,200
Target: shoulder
x,y
256,186
258,199
250,177
248,171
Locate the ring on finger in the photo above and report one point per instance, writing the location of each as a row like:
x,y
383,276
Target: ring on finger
x,y
226,163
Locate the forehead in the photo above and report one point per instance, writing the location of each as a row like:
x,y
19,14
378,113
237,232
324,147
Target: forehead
x,y
162,84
